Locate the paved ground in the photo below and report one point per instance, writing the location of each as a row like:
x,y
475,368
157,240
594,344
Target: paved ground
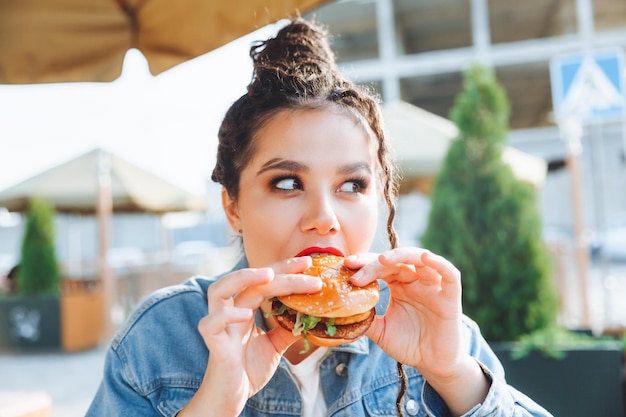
x,y
71,379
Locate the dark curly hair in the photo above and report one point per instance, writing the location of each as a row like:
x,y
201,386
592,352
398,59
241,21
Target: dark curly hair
x,y
297,70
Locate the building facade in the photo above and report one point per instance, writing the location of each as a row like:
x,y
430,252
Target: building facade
x,y
417,50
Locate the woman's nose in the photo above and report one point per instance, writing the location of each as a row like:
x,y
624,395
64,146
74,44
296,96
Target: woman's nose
x,y
320,215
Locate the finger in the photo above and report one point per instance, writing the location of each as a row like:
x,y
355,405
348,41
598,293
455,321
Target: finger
x,y
215,325
221,293
450,275
287,280
357,261
281,339
367,267
376,331
442,265
408,255
396,265
292,265
409,266
282,284
249,288
429,269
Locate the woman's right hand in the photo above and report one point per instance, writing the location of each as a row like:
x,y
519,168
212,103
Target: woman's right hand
x,y
242,356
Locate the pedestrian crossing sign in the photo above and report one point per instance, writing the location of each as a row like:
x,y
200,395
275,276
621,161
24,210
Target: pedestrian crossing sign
x,y
588,86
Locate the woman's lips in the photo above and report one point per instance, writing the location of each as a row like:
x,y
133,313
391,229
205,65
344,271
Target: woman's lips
x,y
315,250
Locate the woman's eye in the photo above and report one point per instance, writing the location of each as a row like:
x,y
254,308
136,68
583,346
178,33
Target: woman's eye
x,y
351,187
287,184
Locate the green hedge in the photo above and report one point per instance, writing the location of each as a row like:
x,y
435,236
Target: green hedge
x,y
38,270
487,222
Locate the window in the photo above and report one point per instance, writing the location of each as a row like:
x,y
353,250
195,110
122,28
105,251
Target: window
x,y
353,27
434,93
609,14
432,25
511,21
528,89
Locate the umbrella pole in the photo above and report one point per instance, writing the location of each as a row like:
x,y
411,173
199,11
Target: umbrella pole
x,y
104,211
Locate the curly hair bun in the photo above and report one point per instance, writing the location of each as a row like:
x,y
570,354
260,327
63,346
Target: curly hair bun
x,y
297,61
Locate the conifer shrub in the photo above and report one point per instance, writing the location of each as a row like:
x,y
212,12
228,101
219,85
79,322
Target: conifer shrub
x,y
487,222
38,270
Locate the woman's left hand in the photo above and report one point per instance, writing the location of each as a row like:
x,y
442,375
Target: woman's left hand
x,y
422,324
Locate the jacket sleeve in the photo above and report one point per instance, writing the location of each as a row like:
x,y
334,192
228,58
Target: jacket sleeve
x,y
115,396
157,359
502,399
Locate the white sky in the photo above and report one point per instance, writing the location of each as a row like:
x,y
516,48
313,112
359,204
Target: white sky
x,y
166,124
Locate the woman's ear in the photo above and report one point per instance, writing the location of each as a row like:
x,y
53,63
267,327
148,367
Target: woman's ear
x,y
232,211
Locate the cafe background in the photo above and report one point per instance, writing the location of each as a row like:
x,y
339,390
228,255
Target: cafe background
x,y
412,53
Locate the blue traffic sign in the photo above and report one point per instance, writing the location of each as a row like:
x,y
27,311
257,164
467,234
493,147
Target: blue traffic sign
x,y
588,86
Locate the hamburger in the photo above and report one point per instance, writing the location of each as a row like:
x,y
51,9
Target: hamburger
x,y
340,313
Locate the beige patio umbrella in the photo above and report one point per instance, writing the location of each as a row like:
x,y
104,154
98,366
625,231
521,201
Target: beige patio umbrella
x,y
73,187
420,141
100,183
46,41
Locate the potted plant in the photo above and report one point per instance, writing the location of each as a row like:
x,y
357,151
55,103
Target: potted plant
x,y
30,316
41,310
488,224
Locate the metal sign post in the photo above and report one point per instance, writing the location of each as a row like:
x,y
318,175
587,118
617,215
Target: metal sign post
x,y
572,132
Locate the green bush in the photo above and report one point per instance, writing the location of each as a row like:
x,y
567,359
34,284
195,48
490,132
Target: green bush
x,y
487,222
38,270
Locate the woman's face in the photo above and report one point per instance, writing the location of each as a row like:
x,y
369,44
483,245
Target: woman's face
x,y
311,183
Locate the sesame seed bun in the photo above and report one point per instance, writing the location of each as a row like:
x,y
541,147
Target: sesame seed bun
x,y
349,309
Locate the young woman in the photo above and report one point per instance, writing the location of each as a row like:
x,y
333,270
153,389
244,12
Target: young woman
x,y
304,164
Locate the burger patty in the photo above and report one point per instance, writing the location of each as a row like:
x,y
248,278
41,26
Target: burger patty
x,y
350,331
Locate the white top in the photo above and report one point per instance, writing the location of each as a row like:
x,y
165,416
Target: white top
x,y
307,375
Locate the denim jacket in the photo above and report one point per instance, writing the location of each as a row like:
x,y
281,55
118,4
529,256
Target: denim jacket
x,y
157,360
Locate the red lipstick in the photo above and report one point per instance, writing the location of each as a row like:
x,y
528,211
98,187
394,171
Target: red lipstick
x,y
316,249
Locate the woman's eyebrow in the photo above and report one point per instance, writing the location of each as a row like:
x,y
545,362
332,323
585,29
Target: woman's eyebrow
x,y
294,166
282,164
355,167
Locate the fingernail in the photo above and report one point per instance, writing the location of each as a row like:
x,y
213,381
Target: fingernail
x,y
300,259
314,280
358,275
431,255
389,254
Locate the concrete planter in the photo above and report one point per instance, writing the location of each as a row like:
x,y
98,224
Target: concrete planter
x,y
70,322
586,382
30,322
